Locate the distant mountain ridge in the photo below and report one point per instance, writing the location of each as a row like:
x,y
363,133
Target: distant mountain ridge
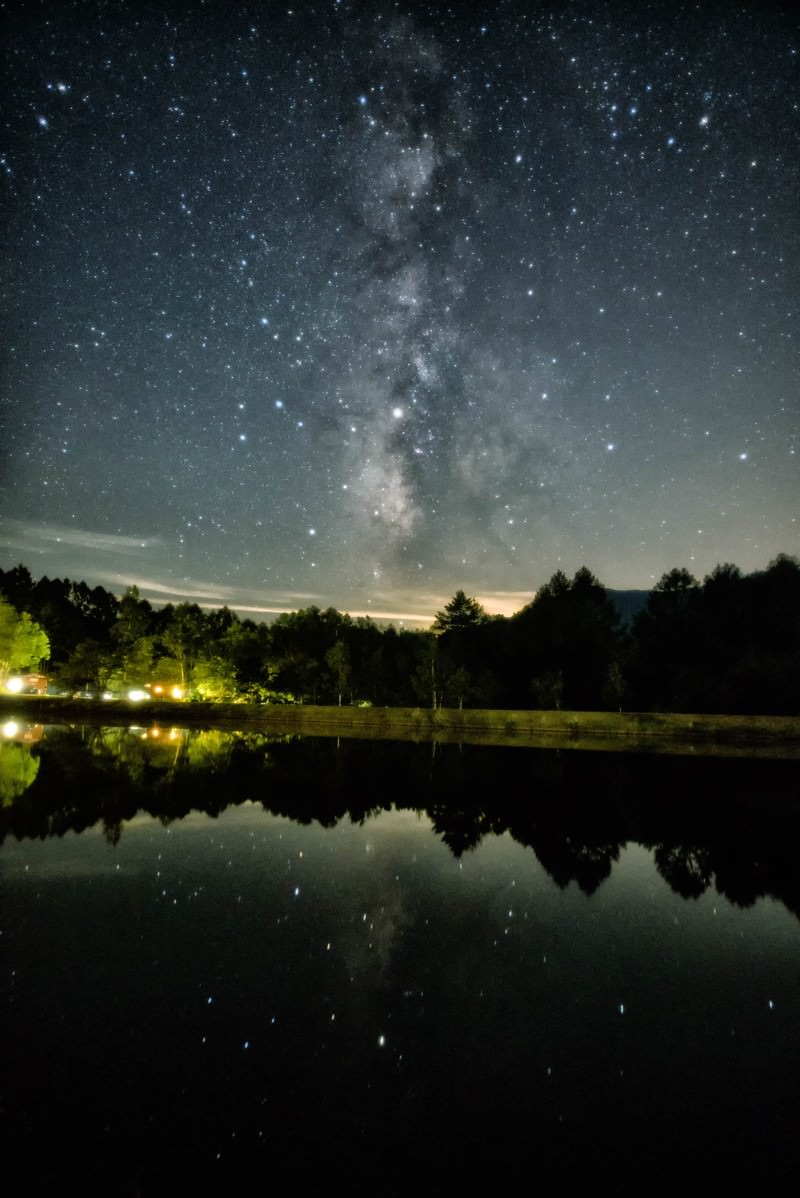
x,y
628,604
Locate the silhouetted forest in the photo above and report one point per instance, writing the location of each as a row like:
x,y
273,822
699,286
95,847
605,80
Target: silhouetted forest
x,y
730,643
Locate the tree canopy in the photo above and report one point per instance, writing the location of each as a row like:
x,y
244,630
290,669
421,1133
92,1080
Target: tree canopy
x,y
460,613
567,641
23,642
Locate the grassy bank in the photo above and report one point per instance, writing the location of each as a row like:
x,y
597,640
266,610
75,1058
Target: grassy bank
x,y
659,732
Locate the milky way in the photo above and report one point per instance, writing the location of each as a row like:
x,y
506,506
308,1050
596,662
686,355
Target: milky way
x,y
357,305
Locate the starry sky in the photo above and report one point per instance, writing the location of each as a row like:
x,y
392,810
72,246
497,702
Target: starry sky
x,y
356,304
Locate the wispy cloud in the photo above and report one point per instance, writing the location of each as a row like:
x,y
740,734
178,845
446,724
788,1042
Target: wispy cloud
x,y
39,538
419,608
209,594
153,587
92,555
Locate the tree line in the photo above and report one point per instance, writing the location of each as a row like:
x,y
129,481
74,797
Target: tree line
x,y
730,643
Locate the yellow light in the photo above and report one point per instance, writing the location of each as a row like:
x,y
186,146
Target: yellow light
x,y
177,693
14,685
10,729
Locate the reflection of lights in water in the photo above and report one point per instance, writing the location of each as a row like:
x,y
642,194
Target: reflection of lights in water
x,y
23,733
156,732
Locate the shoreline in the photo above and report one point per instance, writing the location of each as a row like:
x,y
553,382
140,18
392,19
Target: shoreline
x,y
648,732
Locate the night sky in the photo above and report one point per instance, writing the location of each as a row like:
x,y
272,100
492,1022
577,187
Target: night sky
x,y
358,304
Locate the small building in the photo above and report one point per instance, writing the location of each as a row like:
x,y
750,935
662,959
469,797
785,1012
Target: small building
x,y
26,684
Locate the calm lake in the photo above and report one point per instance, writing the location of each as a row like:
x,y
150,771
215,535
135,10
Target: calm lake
x,y
263,966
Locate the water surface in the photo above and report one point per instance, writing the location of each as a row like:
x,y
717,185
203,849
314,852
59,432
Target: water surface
x,y
246,961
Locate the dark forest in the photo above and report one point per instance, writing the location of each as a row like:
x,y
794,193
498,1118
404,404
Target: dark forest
x,y
728,644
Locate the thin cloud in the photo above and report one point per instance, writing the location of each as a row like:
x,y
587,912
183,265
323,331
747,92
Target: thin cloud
x,y
209,594
37,538
504,603
420,609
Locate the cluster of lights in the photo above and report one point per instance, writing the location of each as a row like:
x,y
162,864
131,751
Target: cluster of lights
x,y
172,692
17,684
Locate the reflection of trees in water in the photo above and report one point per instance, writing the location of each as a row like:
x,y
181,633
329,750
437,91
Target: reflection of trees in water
x,y
687,868
207,749
18,768
574,811
567,861
143,754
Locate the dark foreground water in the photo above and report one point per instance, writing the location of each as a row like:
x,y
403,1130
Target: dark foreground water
x,y
240,966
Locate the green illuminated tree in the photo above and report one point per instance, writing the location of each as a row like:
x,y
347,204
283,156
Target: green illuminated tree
x,y
181,634
23,642
132,641
214,679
